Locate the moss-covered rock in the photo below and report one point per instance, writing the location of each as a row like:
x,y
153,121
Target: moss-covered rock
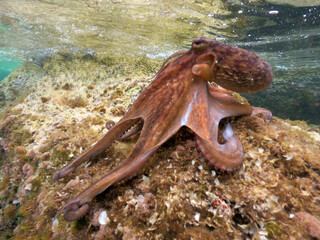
x,y
18,84
177,195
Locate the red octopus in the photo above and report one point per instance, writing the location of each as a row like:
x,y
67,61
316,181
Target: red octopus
x,y
181,95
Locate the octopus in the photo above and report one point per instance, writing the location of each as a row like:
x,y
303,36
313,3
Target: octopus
x,y
182,94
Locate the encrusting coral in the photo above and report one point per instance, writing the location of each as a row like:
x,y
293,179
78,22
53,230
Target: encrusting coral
x,y
176,195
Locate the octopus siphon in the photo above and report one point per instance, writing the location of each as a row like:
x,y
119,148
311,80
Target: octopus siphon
x,y
181,95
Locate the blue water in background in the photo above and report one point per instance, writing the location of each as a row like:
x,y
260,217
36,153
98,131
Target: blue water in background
x,y
7,65
7,62
286,35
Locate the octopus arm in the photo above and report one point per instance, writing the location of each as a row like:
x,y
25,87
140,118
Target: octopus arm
x,y
146,145
114,133
208,106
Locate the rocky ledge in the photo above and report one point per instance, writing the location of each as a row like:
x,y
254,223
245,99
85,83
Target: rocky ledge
x,y
64,109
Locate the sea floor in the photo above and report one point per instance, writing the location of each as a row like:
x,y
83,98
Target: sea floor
x,y
63,109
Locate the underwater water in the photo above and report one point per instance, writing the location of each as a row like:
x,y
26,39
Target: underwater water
x,y
7,65
285,32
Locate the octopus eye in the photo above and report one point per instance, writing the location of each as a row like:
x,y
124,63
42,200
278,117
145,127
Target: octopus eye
x,y
199,44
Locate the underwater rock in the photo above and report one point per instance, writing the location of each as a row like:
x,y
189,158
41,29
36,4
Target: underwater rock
x,y
19,83
176,195
310,223
45,99
27,170
72,183
2,98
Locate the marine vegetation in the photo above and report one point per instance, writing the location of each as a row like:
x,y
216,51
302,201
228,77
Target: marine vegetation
x,y
274,194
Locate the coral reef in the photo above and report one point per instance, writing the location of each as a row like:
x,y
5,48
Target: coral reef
x,y
177,195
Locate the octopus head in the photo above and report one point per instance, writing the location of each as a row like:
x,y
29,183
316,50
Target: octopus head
x,y
231,67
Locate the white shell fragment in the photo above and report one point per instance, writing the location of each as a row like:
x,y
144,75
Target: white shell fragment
x,y
153,218
288,157
55,222
197,217
103,218
28,186
273,12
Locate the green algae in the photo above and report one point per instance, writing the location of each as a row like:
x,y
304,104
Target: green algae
x,y
174,187
275,230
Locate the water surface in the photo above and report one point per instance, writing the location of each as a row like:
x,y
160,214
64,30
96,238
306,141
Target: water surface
x,y
285,33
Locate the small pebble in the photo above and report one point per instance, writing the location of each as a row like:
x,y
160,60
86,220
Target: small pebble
x,y
45,99
31,153
28,187
103,218
72,183
273,12
27,169
197,217
55,222
110,124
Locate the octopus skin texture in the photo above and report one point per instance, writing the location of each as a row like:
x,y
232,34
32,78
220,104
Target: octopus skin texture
x,y
181,95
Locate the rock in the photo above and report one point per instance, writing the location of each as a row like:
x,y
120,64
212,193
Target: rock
x,y
310,223
27,170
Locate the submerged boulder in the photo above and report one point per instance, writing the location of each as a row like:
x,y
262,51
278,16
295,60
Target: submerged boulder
x,y
177,195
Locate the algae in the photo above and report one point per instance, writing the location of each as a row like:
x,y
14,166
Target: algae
x,y
177,195
18,84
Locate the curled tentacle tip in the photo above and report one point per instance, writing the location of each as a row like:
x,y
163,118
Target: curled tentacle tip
x,y
56,176
75,214
57,214
266,115
72,211
61,174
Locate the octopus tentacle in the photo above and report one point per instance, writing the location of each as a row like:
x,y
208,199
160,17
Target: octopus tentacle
x,y
212,105
73,211
267,115
141,152
213,90
113,134
128,168
77,213
230,105
132,132
226,157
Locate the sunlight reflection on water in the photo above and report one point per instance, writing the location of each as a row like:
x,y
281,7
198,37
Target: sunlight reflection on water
x,y
288,37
